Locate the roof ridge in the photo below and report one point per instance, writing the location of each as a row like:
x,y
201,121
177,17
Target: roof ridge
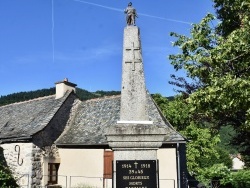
x,y
26,101
70,121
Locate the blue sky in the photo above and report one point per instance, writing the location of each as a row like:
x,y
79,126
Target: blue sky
x,y
45,41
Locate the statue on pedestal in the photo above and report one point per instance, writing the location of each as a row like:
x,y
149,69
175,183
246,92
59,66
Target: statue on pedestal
x,y
131,14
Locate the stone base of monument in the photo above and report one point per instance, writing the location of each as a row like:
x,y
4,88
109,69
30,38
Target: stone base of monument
x,y
135,154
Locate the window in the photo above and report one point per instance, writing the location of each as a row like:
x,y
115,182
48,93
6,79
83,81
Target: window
x,y
52,173
108,167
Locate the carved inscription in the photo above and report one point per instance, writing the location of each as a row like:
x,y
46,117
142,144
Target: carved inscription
x,y
136,174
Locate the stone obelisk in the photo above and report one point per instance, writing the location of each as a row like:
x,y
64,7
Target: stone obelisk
x,y
134,97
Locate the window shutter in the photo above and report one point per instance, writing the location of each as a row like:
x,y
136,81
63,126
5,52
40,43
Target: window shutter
x,y
108,159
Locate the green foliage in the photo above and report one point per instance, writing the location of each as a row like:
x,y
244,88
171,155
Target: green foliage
x,y
6,179
85,95
200,148
218,173
231,13
239,179
176,110
224,157
227,133
217,60
221,176
24,96
203,149
206,161
107,93
178,113
161,101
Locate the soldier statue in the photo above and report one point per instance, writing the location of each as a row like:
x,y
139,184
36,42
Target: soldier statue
x,y
131,14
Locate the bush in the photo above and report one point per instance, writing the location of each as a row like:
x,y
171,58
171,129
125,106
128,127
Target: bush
x,y
240,179
6,179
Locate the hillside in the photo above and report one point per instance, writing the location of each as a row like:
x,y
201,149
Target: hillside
x,y
23,96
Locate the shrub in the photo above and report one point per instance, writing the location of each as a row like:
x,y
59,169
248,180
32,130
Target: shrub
x,y
240,179
6,179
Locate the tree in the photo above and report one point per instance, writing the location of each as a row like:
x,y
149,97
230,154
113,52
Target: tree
x,y
201,147
203,151
232,13
227,133
216,176
175,111
217,59
240,179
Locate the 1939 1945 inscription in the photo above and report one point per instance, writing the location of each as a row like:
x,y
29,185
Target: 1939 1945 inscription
x,y
136,174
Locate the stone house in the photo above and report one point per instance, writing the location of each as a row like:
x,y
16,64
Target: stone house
x,y
61,140
28,131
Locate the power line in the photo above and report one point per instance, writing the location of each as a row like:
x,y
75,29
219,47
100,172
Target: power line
x,y
52,30
167,19
141,14
99,5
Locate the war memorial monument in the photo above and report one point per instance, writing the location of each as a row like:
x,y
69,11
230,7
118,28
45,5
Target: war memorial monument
x,y
134,140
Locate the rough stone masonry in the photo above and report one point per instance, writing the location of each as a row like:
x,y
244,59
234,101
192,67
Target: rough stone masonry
x,y
133,98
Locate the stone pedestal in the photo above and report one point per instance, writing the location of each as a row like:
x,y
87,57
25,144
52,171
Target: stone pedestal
x,y
135,144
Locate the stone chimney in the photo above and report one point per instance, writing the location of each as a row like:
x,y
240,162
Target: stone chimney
x,y
63,86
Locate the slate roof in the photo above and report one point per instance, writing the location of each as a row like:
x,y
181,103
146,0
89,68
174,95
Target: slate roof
x,y
93,117
86,126
19,121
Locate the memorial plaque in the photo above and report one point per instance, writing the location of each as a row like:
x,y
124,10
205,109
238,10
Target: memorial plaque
x,y
136,174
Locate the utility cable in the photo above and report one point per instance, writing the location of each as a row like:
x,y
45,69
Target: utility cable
x,y
141,14
52,31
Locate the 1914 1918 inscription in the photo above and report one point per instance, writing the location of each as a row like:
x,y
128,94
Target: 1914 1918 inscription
x,y
136,174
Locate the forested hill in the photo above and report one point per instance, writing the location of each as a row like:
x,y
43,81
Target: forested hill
x,y
23,96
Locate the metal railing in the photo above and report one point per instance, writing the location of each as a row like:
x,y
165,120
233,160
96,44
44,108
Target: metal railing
x,y
80,181
24,181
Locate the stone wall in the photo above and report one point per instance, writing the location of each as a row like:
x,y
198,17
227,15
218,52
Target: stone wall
x,y
44,140
25,162
18,157
37,167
